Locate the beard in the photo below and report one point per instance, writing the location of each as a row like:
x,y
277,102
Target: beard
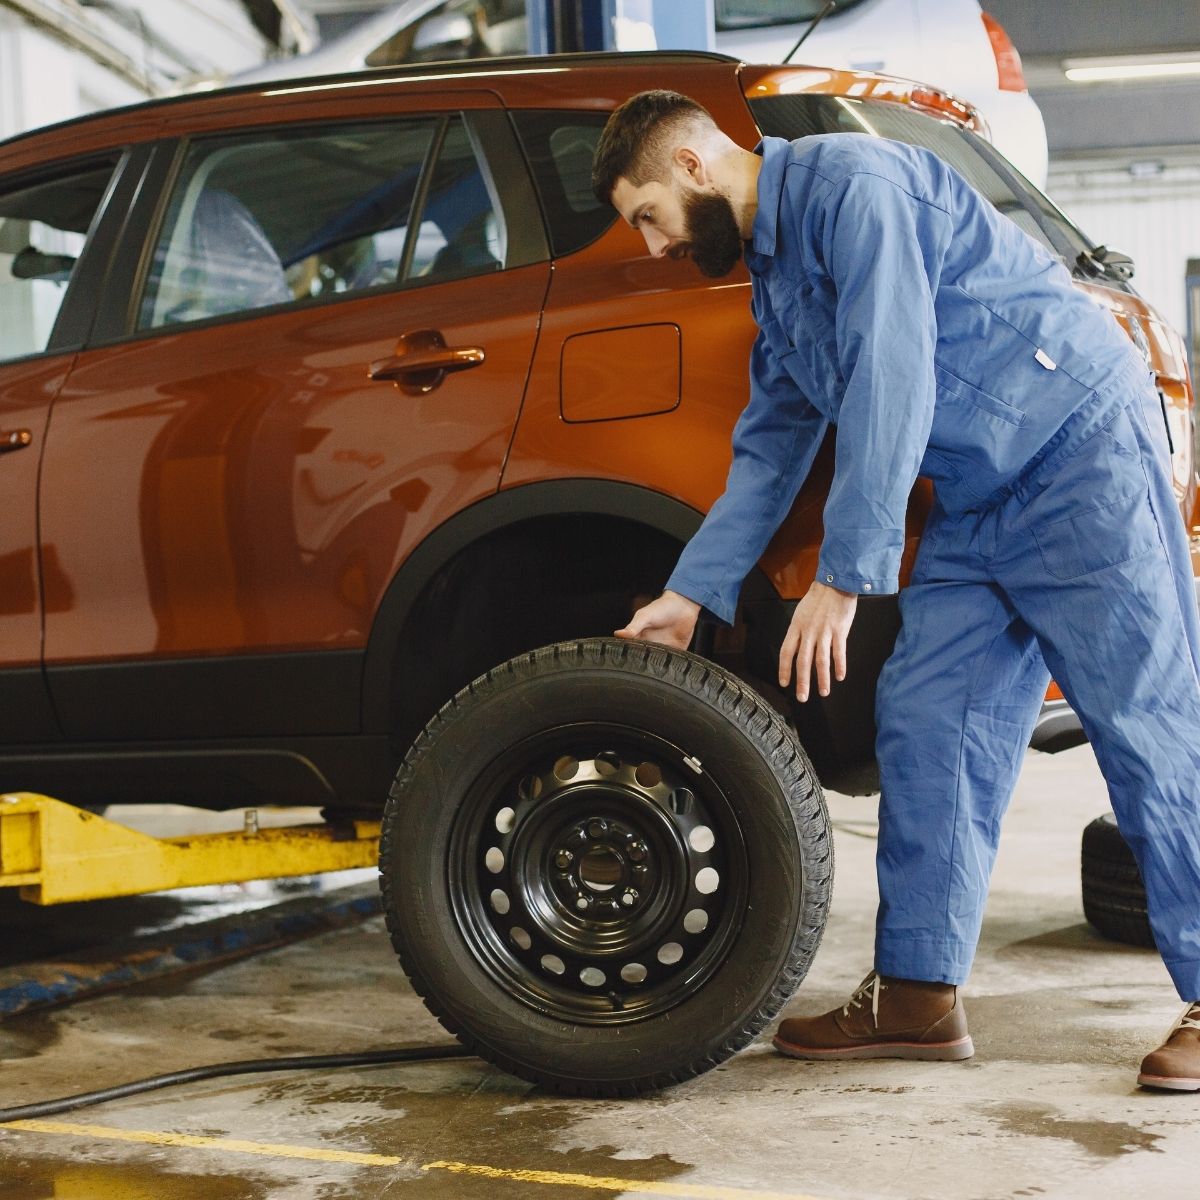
x,y
711,229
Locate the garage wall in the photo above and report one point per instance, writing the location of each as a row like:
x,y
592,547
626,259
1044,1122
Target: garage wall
x,y
152,46
1154,218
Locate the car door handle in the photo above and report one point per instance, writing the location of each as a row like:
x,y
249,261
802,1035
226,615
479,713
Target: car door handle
x,y
14,439
422,360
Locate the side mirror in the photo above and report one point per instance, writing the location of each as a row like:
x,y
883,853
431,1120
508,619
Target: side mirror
x,y
444,35
36,264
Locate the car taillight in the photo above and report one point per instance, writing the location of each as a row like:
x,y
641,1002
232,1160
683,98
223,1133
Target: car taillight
x,y
1008,61
946,105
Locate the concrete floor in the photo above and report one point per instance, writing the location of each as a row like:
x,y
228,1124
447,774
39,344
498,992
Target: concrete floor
x,y
1047,1108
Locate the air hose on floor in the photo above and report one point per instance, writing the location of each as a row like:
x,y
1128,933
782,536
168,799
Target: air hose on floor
x,y
249,1066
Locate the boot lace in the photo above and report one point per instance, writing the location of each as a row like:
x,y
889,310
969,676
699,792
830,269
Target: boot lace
x,y
1189,1019
872,986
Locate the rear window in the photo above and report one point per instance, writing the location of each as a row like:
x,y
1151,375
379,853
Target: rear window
x,y
754,14
971,156
559,145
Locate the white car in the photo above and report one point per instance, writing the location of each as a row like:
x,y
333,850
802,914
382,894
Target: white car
x,y
951,44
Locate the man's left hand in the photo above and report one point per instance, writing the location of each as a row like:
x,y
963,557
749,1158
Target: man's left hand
x,y
816,638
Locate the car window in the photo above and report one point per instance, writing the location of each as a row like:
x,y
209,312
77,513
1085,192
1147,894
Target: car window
x,y
754,14
43,229
288,216
457,29
978,163
461,231
560,146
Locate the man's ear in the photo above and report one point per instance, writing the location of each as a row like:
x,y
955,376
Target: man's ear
x,y
690,164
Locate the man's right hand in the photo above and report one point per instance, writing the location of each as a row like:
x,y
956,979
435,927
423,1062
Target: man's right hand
x,y
670,620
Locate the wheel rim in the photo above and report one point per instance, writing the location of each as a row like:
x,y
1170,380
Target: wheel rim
x,y
598,873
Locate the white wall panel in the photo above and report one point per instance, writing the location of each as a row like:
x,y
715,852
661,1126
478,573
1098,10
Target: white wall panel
x,y
1155,220
43,79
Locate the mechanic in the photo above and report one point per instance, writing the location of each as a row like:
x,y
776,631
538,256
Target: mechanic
x,y
897,304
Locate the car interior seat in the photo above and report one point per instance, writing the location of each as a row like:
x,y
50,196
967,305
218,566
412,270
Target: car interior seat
x,y
229,264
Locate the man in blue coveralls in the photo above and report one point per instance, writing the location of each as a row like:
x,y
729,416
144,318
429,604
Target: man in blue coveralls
x,y
894,302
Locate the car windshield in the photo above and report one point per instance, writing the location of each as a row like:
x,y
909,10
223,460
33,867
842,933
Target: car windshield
x,y
753,14
970,155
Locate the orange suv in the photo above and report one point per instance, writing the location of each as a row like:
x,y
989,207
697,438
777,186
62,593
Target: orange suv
x,y
319,398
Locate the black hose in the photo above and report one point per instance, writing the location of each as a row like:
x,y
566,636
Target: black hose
x,y
249,1066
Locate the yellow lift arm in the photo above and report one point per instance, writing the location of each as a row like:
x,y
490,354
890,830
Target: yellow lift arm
x,y
54,853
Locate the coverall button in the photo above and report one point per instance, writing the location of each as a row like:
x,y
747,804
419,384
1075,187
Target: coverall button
x,y
866,587
828,578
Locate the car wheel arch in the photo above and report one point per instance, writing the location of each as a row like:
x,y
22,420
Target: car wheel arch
x,y
512,516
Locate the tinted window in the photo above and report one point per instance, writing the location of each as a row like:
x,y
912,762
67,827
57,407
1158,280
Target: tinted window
x,y
799,116
265,219
560,146
750,14
460,232
43,229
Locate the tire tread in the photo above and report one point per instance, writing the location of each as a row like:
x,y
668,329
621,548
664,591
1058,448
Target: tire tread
x,y
1114,896
774,739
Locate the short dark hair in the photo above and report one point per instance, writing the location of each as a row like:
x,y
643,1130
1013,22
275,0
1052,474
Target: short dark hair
x,y
636,141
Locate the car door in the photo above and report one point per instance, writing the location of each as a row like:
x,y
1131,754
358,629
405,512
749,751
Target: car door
x,y
45,222
320,358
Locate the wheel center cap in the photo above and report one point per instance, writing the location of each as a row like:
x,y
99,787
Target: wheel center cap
x,y
601,868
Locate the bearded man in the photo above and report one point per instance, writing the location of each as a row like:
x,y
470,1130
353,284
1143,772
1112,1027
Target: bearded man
x,y
895,303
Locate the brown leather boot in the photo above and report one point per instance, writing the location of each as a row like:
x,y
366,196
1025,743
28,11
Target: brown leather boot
x,y
1175,1065
885,1018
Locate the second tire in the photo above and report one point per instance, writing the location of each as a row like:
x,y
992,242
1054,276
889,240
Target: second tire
x,y
1114,896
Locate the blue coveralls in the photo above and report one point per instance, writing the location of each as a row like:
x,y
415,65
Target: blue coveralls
x,y
894,302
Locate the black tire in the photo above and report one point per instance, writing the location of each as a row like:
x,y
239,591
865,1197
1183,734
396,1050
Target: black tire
x,y
638,811
1114,897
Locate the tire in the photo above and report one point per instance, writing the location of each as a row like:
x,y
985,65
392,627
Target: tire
x,y
606,866
1114,897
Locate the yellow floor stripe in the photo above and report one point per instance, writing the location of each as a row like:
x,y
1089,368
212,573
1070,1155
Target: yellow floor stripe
x,y
600,1183
151,1138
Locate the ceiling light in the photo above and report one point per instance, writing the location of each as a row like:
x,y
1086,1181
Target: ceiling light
x,y
1132,66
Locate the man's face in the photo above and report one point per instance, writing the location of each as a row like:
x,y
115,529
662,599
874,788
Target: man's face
x,y
683,222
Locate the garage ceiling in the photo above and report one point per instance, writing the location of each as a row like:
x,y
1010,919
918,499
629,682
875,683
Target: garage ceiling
x,y
1123,119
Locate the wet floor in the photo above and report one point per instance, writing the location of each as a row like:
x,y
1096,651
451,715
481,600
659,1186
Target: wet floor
x,y
1047,1108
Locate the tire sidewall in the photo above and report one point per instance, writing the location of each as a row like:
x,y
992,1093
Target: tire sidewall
x,y
427,930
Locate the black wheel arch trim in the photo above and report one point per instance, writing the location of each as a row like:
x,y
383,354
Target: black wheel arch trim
x,y
500,510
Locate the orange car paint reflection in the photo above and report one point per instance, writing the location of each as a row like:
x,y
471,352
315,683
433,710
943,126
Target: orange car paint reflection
x,y
247,486
26,392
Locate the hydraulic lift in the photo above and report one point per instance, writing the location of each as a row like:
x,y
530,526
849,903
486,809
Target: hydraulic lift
x,y
55,853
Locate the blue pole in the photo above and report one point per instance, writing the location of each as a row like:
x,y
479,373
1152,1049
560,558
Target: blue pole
x,y
538,26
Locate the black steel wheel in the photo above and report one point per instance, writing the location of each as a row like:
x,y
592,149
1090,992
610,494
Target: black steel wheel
x,y
606,866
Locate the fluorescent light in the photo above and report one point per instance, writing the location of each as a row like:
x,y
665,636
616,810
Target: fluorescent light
x,y
1132,66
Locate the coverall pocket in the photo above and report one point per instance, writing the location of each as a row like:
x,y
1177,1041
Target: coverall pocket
x,y
1104,536
949,382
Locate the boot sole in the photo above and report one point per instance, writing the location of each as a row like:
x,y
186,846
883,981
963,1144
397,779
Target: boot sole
x,y
1170,1083
954,1051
